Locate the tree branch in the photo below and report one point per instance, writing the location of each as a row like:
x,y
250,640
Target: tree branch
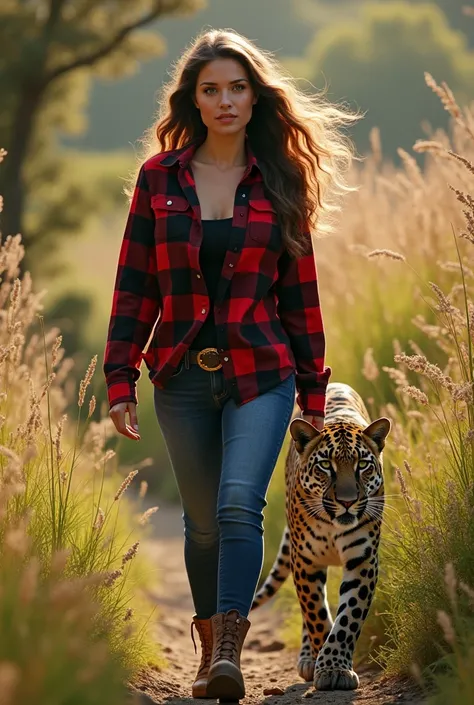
x,y
102,52
55,8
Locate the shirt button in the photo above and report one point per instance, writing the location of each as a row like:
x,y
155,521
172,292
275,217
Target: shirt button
x,y
169,203
198,276
203,310
230,264
241,215
244,195
235,249
226,359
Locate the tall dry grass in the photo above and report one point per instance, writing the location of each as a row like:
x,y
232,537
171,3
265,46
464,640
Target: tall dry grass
x,y
432,452
72,626
397,289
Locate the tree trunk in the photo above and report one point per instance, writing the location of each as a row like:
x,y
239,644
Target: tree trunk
x,y
12,178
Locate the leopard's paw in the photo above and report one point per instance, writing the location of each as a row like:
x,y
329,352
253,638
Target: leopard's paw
x,y
335,679
306,668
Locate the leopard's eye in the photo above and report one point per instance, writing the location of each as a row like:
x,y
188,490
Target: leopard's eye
x,y
325,464
363,464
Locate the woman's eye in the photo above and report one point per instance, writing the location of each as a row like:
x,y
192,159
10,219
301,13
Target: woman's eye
x,y
239,87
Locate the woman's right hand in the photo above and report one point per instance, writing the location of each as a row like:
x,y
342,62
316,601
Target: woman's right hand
x,y
117,414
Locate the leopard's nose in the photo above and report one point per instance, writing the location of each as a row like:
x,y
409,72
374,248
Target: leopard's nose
x,y
346,503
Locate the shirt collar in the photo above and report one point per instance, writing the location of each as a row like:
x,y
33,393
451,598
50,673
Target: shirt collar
x,y
185,154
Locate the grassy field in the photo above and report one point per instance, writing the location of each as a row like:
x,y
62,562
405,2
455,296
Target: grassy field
x,y
397,288
396,285
73,627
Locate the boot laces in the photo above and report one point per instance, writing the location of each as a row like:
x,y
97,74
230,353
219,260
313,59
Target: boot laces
x,y
206,652
228,640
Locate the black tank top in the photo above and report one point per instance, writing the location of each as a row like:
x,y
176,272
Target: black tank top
x,y
215,239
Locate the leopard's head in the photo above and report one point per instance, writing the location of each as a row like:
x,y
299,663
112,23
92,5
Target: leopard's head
x,y
340,469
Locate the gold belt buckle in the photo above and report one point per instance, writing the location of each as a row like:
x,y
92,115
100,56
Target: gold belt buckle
x,y
212,362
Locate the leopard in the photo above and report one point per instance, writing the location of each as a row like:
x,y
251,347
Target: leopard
x,y
334,502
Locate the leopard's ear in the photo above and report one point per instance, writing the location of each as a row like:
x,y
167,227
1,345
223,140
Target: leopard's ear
x,y
378,432
302,433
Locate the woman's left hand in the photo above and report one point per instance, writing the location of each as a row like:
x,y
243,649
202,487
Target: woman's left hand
x,y
315,421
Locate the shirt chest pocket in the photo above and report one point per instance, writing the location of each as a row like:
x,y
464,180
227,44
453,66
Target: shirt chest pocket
x,y
263,227
173,216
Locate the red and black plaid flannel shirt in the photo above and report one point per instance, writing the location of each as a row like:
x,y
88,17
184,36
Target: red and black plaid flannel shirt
x,y
267,314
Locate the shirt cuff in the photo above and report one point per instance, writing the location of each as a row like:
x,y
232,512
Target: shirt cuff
x,y
121,392
313,403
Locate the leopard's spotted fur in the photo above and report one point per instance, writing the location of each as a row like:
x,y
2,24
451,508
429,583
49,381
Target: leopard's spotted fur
x,y
334,505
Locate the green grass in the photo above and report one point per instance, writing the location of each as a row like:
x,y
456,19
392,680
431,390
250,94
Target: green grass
x,y
73,619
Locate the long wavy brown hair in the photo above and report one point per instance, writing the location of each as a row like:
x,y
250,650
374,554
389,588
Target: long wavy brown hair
x,y
297,138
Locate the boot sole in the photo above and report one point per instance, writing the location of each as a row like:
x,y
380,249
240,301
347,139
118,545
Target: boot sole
x,y
226,683
200,694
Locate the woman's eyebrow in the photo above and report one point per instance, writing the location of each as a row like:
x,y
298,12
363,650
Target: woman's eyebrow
x,y
213,83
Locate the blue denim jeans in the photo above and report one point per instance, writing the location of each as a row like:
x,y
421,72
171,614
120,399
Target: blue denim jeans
x,y
223,457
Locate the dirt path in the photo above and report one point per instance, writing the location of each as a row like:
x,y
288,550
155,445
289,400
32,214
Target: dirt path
x,y
265,661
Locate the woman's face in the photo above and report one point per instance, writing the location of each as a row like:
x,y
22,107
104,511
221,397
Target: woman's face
x,y
224,96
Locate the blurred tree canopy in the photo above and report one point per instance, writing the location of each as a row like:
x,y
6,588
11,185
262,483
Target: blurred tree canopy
x,y
50,51
377,63
273,24
453,9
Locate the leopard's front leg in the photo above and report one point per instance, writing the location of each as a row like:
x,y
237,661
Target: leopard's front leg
x,y
310,583
333,669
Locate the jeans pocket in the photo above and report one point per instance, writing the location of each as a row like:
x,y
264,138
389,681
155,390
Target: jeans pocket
x,y
178,370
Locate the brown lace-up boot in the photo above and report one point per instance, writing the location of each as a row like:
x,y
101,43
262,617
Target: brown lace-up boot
x,y
225,680
203,626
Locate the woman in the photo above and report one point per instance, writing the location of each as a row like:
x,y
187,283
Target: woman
x,y
217,253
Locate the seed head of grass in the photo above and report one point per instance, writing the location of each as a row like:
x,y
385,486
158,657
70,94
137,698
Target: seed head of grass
x,y
145,517
370,369
416,394
131,553
444,620
125,484
87,380
390,254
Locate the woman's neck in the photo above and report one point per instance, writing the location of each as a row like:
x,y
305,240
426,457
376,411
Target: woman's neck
x,y
222,151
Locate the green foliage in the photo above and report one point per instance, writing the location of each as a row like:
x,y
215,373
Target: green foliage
x,y
454,683
50,52
379,61
87,186
441,533
59,489
50,651
453,9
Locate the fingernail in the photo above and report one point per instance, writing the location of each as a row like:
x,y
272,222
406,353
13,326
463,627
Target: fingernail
x,y
135,427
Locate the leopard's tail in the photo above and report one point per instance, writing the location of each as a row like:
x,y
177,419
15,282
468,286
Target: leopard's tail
x,y
278,574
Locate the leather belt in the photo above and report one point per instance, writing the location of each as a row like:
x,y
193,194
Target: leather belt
x,y
207,359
